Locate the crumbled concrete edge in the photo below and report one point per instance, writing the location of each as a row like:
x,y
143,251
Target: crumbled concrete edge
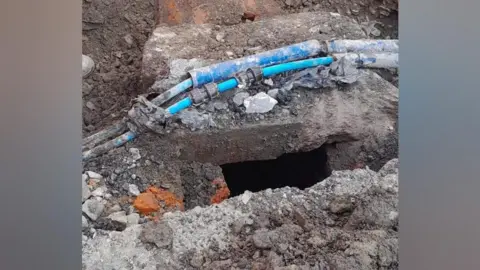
x,y
348,221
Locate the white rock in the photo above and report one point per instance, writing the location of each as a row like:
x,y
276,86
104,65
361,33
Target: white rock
x,y
334,14
120,216
273,93
94,175
133,219
84,222
116,208
85,189
133,189
260,103
93,208
135,153
268,82
99,192
240,97
87,65
246,196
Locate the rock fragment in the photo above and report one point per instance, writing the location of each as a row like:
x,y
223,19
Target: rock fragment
x,y
260,103
240,97
133,190
93,208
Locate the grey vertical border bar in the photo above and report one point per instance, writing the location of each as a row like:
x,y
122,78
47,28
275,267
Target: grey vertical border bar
x,y
439,128
40,165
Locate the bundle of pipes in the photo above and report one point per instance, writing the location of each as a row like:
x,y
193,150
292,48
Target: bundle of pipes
x,y
366,53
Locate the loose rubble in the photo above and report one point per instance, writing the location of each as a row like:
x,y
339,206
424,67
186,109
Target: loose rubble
x,y
348,221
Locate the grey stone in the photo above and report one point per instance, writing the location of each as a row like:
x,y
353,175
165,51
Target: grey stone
x,y
99,192
220,105
135,152
220,37
260,103
197,260
120,216
158,233
133,189
273,93
268,82
128,39
132,219
85,189
94,175
261,239
340,205
115,208
88,65
246,196
93,208
195,120
84,222
240,97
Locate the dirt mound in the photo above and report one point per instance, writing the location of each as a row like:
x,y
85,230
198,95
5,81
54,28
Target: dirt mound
x,y
114,33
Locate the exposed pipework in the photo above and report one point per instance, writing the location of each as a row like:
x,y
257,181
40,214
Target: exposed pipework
x,y
223,71
371,60
199,95
361,46
366,53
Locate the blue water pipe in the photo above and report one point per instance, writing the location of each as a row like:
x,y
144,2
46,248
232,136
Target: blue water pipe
x,y
172,92
225,70
222,71
267,72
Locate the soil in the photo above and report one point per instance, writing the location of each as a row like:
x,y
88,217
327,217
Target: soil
x,y
114,33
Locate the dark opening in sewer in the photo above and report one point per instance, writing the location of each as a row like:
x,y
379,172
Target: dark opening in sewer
x,y
301,170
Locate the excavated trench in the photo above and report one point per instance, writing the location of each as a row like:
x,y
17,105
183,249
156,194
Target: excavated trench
x,y
108,91
301,170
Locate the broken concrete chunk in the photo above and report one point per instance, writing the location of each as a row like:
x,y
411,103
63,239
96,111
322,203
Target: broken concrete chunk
x,y
133,219
133,189
135,153
84,222
268,82
120,216
260,103
196,120
93,208
94,175
157,233
240,97
85,190
273,93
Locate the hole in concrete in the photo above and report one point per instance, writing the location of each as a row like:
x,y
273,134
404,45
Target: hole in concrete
x,y
301,170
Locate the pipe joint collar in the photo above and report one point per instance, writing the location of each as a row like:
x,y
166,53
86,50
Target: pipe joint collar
x,y
255,74
205,93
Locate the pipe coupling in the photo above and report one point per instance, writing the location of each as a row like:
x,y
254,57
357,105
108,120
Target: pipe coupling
x,y
206,92
255,74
